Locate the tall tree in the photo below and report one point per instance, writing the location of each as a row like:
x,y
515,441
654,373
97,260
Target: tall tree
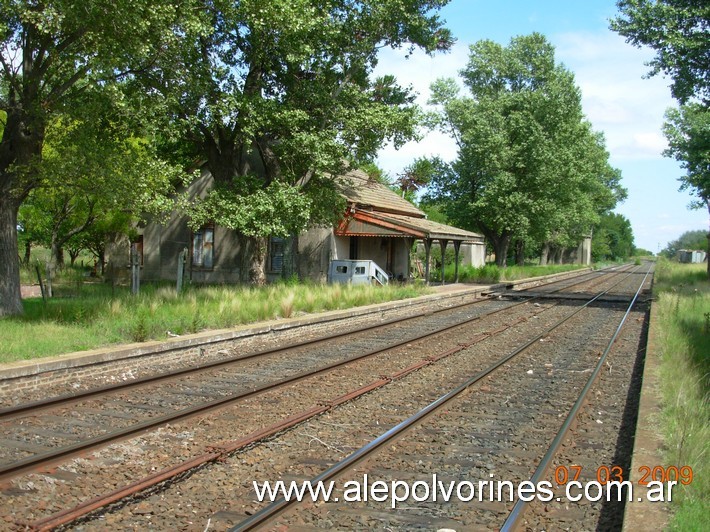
x,y
93,170
688,132
679,32
52,52
696,239
279,94
613,238
529,167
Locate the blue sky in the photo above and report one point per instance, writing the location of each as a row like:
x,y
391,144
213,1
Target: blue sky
x,y
616,98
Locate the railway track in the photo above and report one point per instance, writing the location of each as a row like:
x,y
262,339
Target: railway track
x,y
509,456
488,325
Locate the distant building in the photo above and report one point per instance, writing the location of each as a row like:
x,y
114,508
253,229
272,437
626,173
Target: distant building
x,y
688,256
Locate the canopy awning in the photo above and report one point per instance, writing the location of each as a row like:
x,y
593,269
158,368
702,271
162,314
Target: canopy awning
x,y
360,222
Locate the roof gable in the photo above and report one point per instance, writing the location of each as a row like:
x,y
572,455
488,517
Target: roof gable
x,y
369,194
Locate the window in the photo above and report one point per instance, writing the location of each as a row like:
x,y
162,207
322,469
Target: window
x,y
276,254
341,269
359,270
203,247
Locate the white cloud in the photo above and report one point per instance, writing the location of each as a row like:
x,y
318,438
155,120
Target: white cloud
x,y
616,96
419,71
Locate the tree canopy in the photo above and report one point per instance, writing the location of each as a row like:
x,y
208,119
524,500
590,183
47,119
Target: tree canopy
x,y
696,239
688,132
529,166
613,238
277,97
54,56
274,97
679,32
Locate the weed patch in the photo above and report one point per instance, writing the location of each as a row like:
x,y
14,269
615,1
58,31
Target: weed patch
x,y
683,305
102,315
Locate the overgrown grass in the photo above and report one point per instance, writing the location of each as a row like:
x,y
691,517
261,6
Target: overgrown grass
x,y
683,336
67,276
99,316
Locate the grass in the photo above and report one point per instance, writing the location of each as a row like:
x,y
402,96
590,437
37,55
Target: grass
x,y
88,315
682,292
97,315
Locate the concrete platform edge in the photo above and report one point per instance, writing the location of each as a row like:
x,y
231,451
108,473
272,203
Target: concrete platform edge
x,y
24,368
648,440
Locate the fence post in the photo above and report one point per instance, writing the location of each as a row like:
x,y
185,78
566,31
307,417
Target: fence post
x,y
41,284
135,270
181,269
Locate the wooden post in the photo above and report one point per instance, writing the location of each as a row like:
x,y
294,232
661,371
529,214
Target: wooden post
x,y
182,258
41,285
427,249
457,248
135,270
443,243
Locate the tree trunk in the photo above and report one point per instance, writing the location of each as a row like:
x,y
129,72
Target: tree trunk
x,y
520,252
544,254
59,257
21,144
73,255
50,265
28,252
257,260
707,257
102,260
10,298
558,255
500,245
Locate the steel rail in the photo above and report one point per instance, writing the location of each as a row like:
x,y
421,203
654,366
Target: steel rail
x,y
54,456
217,453
223,450
60,400
516,514
277,507
13,469
53,402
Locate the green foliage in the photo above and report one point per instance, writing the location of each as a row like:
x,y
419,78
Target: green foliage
x,y
678,31
529,166
688,132
697,239
418,175
74,59
97,316
612,239
278,96
683,344
489,273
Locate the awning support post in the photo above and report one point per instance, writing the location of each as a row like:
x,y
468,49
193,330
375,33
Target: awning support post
x,y
443,243
427,249
457,247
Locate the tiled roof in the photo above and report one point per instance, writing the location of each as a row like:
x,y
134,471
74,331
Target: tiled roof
x,y
367,193
371,196
434,230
